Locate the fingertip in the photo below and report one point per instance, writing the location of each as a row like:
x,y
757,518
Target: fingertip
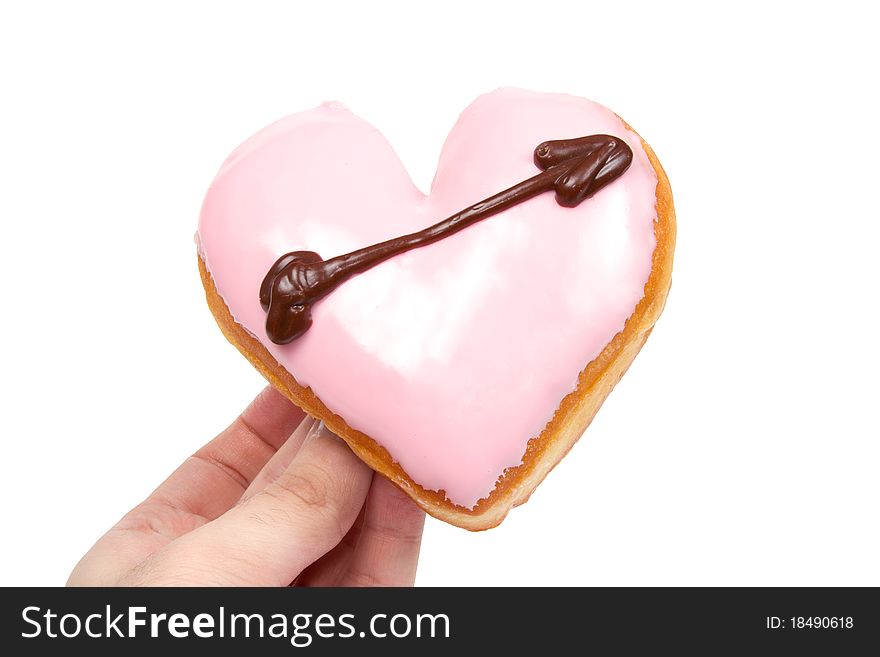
x,y
394,506
272,416
387,553
328,453
327,445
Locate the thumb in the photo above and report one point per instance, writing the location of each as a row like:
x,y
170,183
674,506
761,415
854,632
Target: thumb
x,y
271,537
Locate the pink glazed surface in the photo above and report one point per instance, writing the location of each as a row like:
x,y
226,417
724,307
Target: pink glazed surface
x,y
454,355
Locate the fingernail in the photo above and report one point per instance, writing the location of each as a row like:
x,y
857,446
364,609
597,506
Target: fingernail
x,y
318,430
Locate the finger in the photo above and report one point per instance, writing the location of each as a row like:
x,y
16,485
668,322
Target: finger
x,y
271,537
214,478
281,460
201,489
387,551
331,568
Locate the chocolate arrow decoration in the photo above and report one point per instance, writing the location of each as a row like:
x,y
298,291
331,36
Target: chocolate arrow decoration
x,y
575,168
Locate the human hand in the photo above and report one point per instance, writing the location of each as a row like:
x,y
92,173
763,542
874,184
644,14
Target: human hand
x,y
275,499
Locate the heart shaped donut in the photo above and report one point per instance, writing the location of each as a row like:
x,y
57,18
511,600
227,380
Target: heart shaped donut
x,y
464,360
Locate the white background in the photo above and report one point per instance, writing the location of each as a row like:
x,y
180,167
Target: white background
x,y
741,448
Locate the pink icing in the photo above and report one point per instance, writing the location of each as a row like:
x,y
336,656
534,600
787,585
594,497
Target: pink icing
x,y
454,355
